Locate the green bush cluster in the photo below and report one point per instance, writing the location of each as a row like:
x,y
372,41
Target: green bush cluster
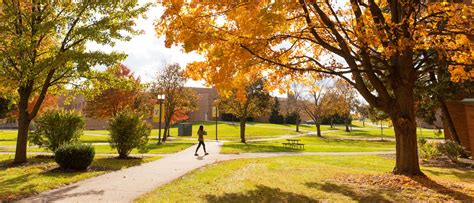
x,y
74,156
452,150
428,150
128,131
57,127
433,150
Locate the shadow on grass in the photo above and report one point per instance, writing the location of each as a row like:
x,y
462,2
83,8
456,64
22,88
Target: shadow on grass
x,y
428,183
462,171
36,160
261,194
8,194
366,196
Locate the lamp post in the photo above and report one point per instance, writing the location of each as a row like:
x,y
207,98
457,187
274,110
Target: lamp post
x,y
216,111
161,98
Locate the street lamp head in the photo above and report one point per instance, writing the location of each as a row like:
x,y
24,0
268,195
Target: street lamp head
x,y
160,97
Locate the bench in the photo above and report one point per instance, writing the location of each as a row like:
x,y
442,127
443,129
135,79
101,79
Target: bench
x,y
293,143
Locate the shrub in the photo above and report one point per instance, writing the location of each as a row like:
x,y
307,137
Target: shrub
x,y
74,156
57,127
128,131
428,150
292,118
451,149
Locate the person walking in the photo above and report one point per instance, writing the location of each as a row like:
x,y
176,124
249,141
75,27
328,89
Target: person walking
x,y
201,132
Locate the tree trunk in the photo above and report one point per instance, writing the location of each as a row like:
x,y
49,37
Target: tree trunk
x,y
404,123
297,126
242,129
406,148
347,126
363,123
165,132
318,129
23,128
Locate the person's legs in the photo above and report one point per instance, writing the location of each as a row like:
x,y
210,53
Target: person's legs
x,y
199,145
204,147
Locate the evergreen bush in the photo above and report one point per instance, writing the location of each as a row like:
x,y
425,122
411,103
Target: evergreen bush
x,y
74,156
128,131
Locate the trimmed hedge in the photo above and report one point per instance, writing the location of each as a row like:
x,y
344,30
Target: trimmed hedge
x,y
74,156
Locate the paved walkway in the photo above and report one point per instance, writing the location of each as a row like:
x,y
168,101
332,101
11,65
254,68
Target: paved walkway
x,y
128,184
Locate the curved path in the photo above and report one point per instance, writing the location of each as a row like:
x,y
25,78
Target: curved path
x,y
128,184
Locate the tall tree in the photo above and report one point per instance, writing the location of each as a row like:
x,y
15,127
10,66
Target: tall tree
x,y
112,100
275,115
376,115
43,46
363,111
295,96
320,103
347,96
377,47
178,99
245,102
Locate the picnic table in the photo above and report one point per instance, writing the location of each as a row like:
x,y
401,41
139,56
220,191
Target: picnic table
x,y
293,143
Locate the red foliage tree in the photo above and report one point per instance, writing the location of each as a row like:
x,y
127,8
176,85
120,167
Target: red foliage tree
x,y
113,100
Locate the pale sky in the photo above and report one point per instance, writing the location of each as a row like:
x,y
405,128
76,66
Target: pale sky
x,y
147,52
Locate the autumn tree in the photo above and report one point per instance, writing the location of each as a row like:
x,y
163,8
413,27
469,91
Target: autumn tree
x,y
378,47
320,102
245,102
376,115
43,47
294,103
178,99
347,98
116,98
363,111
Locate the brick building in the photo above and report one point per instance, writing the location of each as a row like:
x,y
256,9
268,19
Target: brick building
x,y
206,97
462,114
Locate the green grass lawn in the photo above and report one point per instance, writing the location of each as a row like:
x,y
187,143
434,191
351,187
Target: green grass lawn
x,y
7,143
94,139
8,135
374,131
96,132
312,144
314,179
41,174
